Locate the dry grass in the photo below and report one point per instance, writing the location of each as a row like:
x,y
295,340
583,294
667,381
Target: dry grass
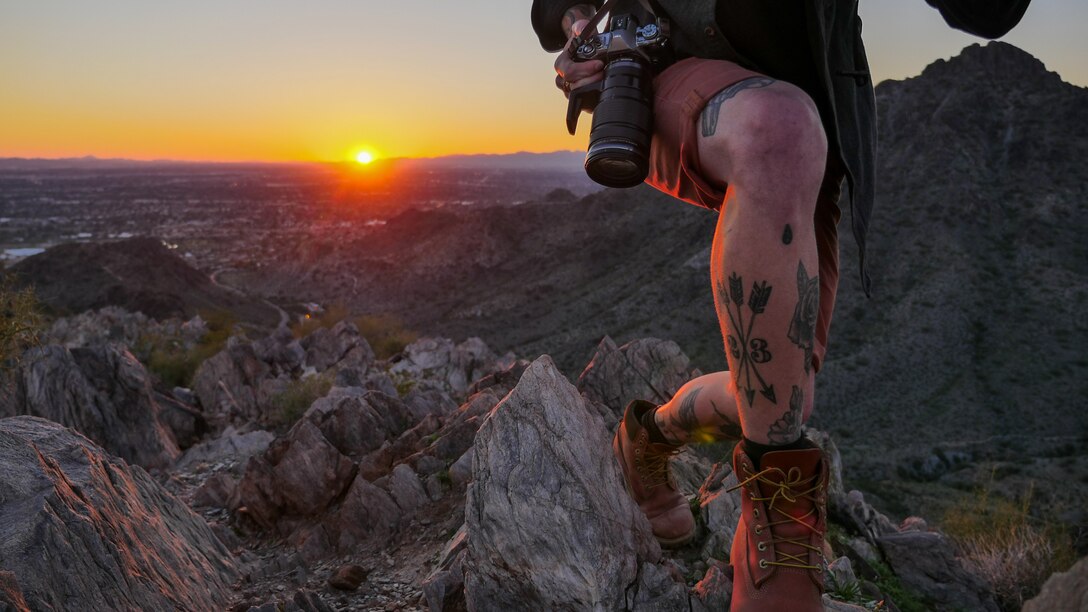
x,y
385,333
1012,550
21,320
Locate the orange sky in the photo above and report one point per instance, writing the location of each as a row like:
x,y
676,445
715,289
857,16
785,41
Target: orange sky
x,y
276,80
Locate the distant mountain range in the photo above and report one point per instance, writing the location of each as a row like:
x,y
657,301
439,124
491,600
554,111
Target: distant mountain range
x,y
557,160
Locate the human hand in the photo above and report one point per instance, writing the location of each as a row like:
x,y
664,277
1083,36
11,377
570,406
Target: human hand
x,y
571,74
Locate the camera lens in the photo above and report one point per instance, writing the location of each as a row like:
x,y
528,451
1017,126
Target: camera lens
x,y
619,142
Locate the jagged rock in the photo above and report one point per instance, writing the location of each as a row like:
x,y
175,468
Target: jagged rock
x,y
348,577
422,403
720,510
280,350
102,391
407,490
186,423
297,476
547,493
215,492
85,531
454,366
839,573
500,382
926,562
230,447
859,516
357,421
342,344
11,596
648,369
368,512
226,384
302,601
1066,590
657,590
713,593
461,470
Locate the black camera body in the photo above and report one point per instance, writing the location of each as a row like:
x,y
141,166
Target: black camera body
x,y
634,48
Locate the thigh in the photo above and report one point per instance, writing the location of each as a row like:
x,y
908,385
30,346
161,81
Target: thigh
x,y
680,94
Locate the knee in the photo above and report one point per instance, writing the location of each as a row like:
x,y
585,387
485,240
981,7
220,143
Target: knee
x,y
772,133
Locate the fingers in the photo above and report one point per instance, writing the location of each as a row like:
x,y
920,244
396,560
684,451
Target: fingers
x,y
572,74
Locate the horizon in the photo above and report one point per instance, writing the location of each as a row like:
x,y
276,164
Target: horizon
x,y
243,84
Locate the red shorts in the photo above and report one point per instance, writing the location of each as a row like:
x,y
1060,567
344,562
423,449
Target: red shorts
x,y
680,94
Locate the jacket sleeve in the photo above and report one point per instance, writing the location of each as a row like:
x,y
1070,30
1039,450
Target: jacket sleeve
x,y
548,21
985,18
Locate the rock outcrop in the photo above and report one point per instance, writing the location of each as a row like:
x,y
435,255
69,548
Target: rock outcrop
x,y
101,391
647,368
84,531
549,524
1063,591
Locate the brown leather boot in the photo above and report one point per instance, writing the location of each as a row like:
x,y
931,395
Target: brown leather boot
x,y
649,479
778,550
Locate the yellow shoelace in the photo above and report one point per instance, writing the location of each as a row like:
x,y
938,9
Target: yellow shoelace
x,y
655,470
788,489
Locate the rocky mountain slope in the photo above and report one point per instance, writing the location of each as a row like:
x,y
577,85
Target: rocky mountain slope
x,y
446,478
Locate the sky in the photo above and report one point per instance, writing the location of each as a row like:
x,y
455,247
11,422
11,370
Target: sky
x,y
279,80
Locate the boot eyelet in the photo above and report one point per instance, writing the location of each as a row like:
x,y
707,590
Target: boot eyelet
x,y
759,530
762,546
755,512
762,564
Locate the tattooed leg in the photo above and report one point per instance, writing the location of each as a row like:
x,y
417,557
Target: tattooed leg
x,y
703,410
766,141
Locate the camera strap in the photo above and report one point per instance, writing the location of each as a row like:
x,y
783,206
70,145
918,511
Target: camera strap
x,y
605,9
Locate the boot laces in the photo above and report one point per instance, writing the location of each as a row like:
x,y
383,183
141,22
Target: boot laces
x,y
787,487
656,469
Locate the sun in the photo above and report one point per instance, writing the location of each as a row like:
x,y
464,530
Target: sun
x,y
364,157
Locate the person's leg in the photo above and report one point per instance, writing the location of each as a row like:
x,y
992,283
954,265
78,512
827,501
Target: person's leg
x,y
703,410
765,140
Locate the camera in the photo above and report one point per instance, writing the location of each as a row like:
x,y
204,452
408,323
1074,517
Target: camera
x,y
634,48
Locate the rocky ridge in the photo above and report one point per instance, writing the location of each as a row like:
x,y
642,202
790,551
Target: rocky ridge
x,y
412,483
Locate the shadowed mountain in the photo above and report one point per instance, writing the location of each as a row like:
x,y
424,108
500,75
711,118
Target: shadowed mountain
x,y
138,274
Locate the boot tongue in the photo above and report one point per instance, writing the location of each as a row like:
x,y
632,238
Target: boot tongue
x,y
801,468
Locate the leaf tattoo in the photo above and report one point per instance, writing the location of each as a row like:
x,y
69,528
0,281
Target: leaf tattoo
x,y
788,428
802,330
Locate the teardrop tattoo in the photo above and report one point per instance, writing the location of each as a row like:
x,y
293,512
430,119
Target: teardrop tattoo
x,y
787,234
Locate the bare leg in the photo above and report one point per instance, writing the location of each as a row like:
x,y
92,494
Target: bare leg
x,y
703,410
764,138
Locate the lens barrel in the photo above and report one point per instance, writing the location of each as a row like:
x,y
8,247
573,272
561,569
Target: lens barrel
x,y
619,141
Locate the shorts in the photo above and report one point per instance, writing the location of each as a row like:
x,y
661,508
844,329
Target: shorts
x,y
680,94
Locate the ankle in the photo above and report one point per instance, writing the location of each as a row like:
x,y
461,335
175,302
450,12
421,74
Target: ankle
x,y
756,450
649,423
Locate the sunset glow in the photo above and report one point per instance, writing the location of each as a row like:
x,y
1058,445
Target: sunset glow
x,y
364,157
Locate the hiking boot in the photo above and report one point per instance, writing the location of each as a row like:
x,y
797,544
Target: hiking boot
x,y
778,550
649,479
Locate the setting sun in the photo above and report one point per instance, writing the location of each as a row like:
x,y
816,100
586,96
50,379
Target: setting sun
x,y
364,157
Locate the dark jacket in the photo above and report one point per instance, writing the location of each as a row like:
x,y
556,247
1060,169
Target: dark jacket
x,y
848,107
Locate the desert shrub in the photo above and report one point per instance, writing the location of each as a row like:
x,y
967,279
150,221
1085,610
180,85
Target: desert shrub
x,y
173,363
289,405
21,320
385,333
1006,545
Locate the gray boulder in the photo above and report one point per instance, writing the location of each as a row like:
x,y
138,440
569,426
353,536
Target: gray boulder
x,y
647,368
80,530
103,392
549,523
927,563
231,447
341,345
453,367
226,384
1063,591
